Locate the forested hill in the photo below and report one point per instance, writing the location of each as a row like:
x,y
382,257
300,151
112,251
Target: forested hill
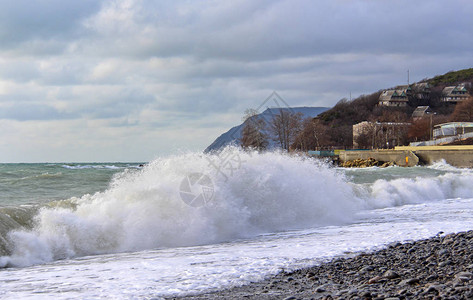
x,y
338,120
451,78
365,107
309,128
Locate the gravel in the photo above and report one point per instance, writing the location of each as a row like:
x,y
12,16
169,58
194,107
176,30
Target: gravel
x,y
437,268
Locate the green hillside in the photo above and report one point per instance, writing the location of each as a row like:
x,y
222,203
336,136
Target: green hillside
x,y
452,77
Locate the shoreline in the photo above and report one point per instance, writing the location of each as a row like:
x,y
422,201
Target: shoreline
x,y
440,267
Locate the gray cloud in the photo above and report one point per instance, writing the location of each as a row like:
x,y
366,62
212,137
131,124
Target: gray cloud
x,y
179,72
42,22
32,112
246,30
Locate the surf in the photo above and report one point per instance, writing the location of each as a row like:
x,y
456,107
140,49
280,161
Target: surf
x,y
167,203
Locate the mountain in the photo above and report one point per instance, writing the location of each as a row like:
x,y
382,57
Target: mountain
x,y
233,135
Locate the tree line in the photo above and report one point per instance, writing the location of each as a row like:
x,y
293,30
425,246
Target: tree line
x,y
333,129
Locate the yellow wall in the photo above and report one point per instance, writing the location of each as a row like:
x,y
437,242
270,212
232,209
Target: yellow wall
x,y
433,148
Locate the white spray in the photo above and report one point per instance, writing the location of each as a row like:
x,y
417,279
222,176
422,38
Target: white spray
x,y
252,194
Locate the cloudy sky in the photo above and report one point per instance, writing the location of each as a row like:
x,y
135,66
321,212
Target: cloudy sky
x,y
89,80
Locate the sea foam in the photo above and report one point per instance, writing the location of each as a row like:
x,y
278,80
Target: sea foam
x,y
253,193
246,194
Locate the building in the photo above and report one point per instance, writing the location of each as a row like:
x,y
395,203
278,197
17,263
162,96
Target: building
x,y
422,91
447,133
421,112
396,98
399,96
455,94
453,129
379,135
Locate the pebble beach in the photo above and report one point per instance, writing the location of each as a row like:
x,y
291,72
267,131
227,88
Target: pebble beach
x,y
437,268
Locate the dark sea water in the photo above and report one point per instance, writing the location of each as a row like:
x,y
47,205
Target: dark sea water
x,y
42,183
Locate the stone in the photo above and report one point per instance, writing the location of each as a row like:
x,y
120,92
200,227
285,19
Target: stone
x,y
431,289
442,252
375,279
409,281
423,269
366,269
366,294
390,274
445,263
432,277
465,274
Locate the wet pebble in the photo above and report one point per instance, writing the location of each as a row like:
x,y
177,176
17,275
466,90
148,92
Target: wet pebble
x,y
437,268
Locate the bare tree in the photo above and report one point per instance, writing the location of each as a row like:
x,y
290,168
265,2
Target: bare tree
x,y
285,126
253,133
313,136
463,111
419,130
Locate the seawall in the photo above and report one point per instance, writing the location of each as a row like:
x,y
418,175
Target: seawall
x,y
458,156
403,158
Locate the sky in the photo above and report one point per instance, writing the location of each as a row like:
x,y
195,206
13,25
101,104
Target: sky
x,y
106,81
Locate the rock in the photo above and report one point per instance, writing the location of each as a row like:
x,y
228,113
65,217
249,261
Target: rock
x,y
447,239
443,252
432,277
431,289
365,294
437,268
375,279
445,263
465,274
310,275
353,291
462,279
360,163
366,269
410,281
390,274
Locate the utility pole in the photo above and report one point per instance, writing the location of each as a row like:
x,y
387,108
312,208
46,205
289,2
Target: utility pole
x,y
431,128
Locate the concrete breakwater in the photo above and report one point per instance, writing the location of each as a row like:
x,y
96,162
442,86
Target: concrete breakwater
x,y
457,156
399,158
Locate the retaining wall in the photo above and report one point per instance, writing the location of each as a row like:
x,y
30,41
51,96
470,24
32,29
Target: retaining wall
x,y
457,156
403,158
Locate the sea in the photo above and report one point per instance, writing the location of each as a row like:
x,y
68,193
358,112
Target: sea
x,y
193,222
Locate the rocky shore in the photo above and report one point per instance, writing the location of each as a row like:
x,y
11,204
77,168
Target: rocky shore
x,y
436,268
365,163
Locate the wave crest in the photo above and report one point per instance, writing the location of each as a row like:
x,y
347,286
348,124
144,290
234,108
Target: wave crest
x,y
253,193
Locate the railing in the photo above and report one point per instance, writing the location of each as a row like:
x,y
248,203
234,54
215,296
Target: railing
x,y
445,140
